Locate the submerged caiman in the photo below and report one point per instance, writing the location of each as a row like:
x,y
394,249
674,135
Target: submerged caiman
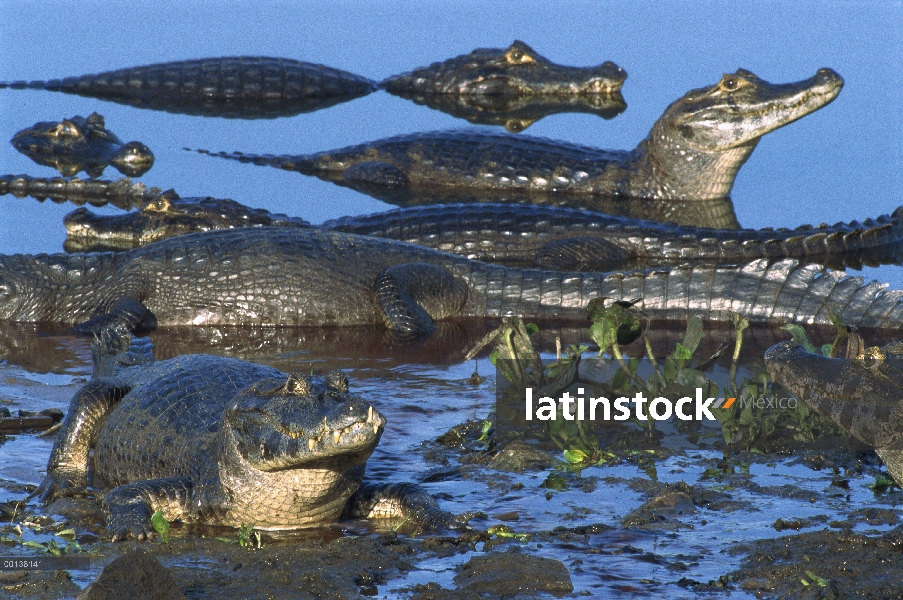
x,y
243,87
693,151
863,395
297,276
80,144
515,235
513,71
127,194
225,442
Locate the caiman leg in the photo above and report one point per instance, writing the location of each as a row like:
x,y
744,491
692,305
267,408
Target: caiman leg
x,y
68,465
581,254
128,311
405,502
129,507
115,346
413,294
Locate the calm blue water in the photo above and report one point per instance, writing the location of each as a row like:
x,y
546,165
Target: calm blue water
x,y
841,163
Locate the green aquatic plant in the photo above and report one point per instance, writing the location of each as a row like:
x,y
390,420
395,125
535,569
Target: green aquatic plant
x,y
245,537
160,525
746,426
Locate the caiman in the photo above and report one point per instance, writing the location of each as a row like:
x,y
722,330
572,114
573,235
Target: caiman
x,y
861,395
166,215
693,151
514,71
122,193
515,235
299,276
80,144
243,87
225,442
126,194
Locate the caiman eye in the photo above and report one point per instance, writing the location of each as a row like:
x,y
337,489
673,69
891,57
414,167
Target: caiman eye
x,y
66,129
7,291
731,83
518,57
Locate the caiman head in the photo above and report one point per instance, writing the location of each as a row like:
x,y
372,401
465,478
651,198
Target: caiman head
x,y
82,144
163,217
301,423
515,70
699,144
862,395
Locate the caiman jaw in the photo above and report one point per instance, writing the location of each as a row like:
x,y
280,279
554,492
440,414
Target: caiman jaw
x,y
742,108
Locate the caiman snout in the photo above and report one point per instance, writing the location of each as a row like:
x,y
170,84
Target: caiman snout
x,y
826,75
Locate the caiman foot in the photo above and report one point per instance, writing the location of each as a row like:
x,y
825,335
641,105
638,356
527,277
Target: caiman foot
x,y
129,313
406,504
60,484
129,507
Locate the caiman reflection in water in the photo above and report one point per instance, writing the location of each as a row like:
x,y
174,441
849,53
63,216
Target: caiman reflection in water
x,y
237,87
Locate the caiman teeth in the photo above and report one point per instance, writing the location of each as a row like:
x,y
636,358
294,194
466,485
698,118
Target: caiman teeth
x,y
336,435
311,443
370,414
375,428
288,432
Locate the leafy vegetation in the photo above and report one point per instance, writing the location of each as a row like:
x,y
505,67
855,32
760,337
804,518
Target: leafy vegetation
x,y
679,374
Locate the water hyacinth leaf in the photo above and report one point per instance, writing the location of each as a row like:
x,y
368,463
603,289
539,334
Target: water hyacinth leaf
x,y
617,323
692,337
682,353
800,336
555,482
843,333
575,457
160,524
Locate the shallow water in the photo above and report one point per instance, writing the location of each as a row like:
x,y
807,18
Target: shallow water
x,y
423,399
840,163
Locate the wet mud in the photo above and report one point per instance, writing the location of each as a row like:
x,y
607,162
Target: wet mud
x,y
676,514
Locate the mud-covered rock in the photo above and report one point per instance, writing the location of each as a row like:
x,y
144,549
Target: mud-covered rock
x,y
513,574
136,575
519,456
823,564
37,585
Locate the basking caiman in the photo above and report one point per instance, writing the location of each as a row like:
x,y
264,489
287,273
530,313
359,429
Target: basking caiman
x,y
515,235
223,441
242,87
513,71
693,151
80,144
862,395
297,276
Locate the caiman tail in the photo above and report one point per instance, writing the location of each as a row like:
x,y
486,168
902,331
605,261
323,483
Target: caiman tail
x,y
122,193
763,292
